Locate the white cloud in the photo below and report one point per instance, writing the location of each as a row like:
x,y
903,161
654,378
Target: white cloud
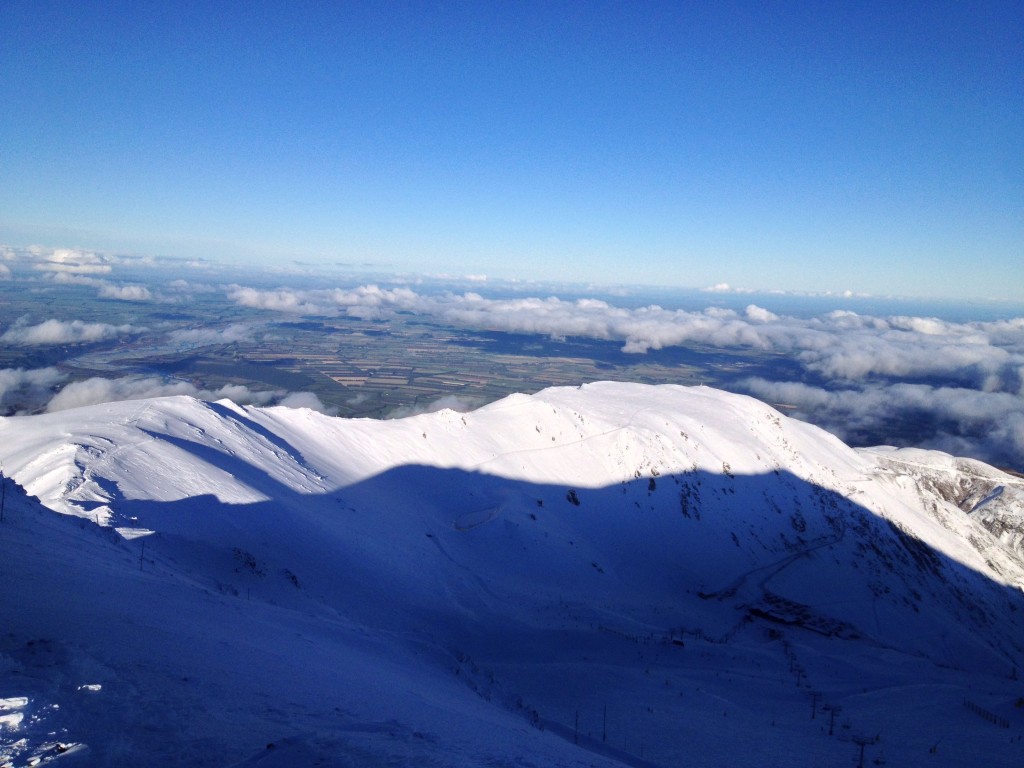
x,y
38,385
238,393
986,425
236,332
457,403
76,261
101,390
64,332
760,315
371,300
856,348
71,260
726,288
187,286
27,389
68,278
283,300
306,400
125,292
840,346
365,301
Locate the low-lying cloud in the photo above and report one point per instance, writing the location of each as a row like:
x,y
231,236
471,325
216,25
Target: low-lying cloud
x,y
306,400
71,261
55,331
840,346
200,337
21,386
68,278
459,403
964,422
46,389
102,390
125,292
365,301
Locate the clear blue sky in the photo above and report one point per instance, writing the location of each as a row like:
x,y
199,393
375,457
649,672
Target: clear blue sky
x,y
870,146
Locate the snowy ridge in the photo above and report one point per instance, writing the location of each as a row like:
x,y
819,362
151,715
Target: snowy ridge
x,y
992,498
632,545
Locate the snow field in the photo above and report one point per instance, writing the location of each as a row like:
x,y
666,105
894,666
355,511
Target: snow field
x,y
453,589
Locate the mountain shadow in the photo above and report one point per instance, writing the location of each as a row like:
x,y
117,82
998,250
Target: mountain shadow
x,y
686,605
460,553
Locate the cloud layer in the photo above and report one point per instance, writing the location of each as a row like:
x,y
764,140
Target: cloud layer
x,y
64,332
458,403
102,390
840,346
964,422
19,386
72,261
125,292
44,389
365,301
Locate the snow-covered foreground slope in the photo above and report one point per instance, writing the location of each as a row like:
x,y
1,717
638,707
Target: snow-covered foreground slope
x,y
610,575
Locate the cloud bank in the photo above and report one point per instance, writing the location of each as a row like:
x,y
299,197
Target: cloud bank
x,y
841,346
102,390
44,389
71,261
960,421
198,337
458,403
365,301
125,292
64,332
19,386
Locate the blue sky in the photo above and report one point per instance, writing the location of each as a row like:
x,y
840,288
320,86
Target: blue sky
x,y
872,147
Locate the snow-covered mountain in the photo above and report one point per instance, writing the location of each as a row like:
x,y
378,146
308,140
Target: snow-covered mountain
x,y
610,575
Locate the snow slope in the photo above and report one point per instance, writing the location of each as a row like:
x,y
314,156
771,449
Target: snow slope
x,y
992,498
610,575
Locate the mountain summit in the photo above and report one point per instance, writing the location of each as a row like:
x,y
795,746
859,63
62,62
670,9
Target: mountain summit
x,y
614,574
